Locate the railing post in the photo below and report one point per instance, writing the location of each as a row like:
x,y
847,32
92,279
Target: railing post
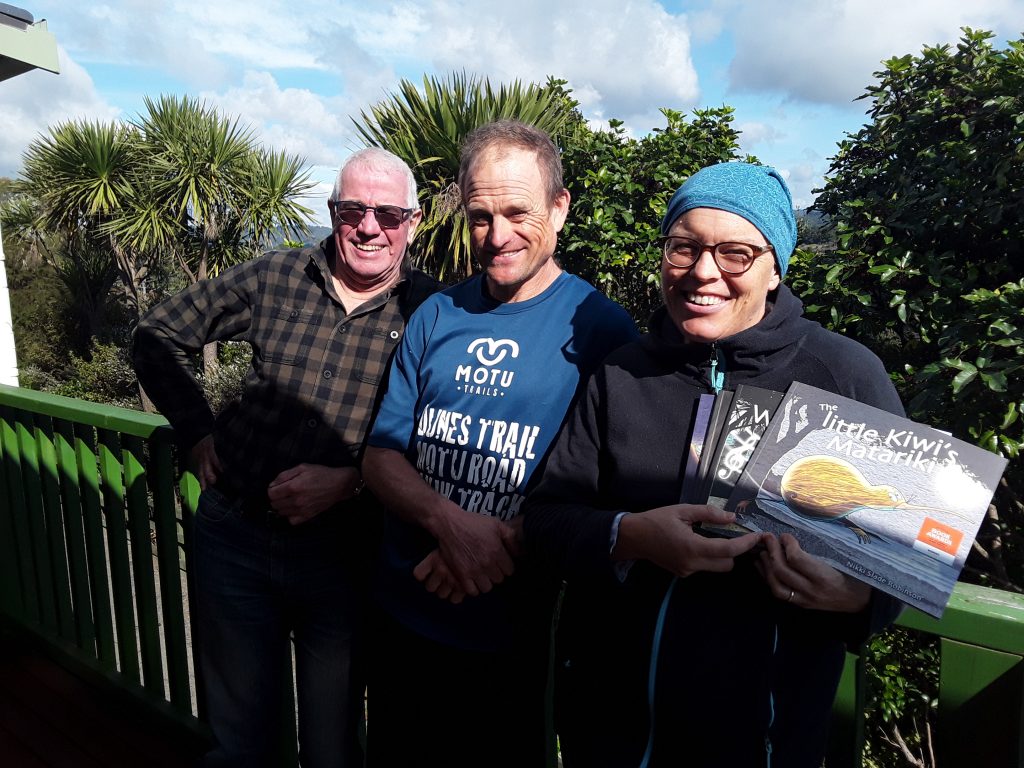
x,y
161,475
12,569
78,558
981,707
39,576
846,731
141,547
92,522
56,536
112,477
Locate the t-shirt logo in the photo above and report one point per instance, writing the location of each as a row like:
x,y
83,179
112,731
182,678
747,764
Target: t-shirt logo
x,y
486,379
495,350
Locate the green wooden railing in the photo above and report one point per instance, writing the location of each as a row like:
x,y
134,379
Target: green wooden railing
x,y
92,544
93,535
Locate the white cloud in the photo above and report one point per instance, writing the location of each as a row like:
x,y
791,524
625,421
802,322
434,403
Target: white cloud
x,y
623,60
827,50
757,133
266,34
293,119
35,100
203,43
802,178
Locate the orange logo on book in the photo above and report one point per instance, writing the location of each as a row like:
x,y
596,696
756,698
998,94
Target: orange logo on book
x,y
940,536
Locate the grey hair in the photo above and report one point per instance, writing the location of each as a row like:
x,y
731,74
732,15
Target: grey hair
x,y
379,160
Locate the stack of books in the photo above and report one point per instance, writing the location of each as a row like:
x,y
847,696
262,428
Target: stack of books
x,y
882,498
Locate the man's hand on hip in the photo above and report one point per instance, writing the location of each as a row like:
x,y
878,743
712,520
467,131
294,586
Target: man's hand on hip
x,y
304,491
205,462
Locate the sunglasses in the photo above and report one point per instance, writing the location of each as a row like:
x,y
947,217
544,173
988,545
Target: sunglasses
x,y
388,216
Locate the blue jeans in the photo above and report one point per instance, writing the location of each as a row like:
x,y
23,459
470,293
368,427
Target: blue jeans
x,y
259,580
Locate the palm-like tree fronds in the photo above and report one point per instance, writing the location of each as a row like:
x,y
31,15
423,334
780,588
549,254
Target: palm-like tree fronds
x,y
81,170
276,182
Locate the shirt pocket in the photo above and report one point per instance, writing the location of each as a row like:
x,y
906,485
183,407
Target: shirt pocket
x,y
289,335
382,343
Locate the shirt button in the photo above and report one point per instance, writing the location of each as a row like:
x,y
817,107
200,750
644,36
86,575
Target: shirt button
x,y
343,329
311,423
294,313
327,374
394,334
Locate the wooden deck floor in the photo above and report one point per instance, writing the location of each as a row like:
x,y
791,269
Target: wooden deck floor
x,y
50,718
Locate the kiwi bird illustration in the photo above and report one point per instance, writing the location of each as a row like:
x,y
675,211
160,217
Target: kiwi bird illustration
x,y
828,488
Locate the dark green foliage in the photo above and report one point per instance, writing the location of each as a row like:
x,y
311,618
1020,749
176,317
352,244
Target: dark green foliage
x,y
223,386
181,183
903,677
620,188
42,321
928,200
181,188
104,376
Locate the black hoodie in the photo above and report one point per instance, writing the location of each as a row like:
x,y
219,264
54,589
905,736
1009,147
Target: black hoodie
x,y
739,673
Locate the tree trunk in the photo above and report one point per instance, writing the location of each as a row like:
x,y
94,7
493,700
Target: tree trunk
x,y
210,363
147,404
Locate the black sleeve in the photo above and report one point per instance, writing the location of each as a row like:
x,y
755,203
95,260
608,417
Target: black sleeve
x,y
565,526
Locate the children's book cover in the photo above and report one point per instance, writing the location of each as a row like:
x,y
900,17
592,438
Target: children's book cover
x,y
884,499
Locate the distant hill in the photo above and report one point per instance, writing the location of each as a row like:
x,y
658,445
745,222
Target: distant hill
x,y
814,227
316,234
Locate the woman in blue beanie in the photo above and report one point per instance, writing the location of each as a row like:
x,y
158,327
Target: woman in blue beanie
x,y
675,649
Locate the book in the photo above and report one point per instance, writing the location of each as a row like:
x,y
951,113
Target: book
x,y
716,426
749,417
888,501
698,429
751,412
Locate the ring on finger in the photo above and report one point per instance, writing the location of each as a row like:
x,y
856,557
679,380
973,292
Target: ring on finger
x,y
791,593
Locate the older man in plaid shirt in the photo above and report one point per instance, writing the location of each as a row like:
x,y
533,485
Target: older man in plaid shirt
x,y
282,531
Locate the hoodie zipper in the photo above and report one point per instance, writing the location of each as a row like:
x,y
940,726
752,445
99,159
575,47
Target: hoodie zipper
x,y
717,376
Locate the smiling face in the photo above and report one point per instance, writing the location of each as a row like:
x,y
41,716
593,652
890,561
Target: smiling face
x,y
369,257
705,303
513,225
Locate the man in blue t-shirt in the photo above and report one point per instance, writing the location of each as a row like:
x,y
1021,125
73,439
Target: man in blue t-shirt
x,y
478,390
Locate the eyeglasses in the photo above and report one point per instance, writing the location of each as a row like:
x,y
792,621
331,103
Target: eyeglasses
x,y
388,216
731,258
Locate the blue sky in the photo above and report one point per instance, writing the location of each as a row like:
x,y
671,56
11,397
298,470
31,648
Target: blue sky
x,y
296,71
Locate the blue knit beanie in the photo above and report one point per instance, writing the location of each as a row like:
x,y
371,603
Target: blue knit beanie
x,y
755,192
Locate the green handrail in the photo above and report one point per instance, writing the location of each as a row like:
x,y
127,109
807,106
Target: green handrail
x,y
91,526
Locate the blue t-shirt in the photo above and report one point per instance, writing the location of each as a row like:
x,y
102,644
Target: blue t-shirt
x,y
476,395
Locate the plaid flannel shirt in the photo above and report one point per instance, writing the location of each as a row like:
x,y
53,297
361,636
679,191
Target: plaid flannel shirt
x,y
312,387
